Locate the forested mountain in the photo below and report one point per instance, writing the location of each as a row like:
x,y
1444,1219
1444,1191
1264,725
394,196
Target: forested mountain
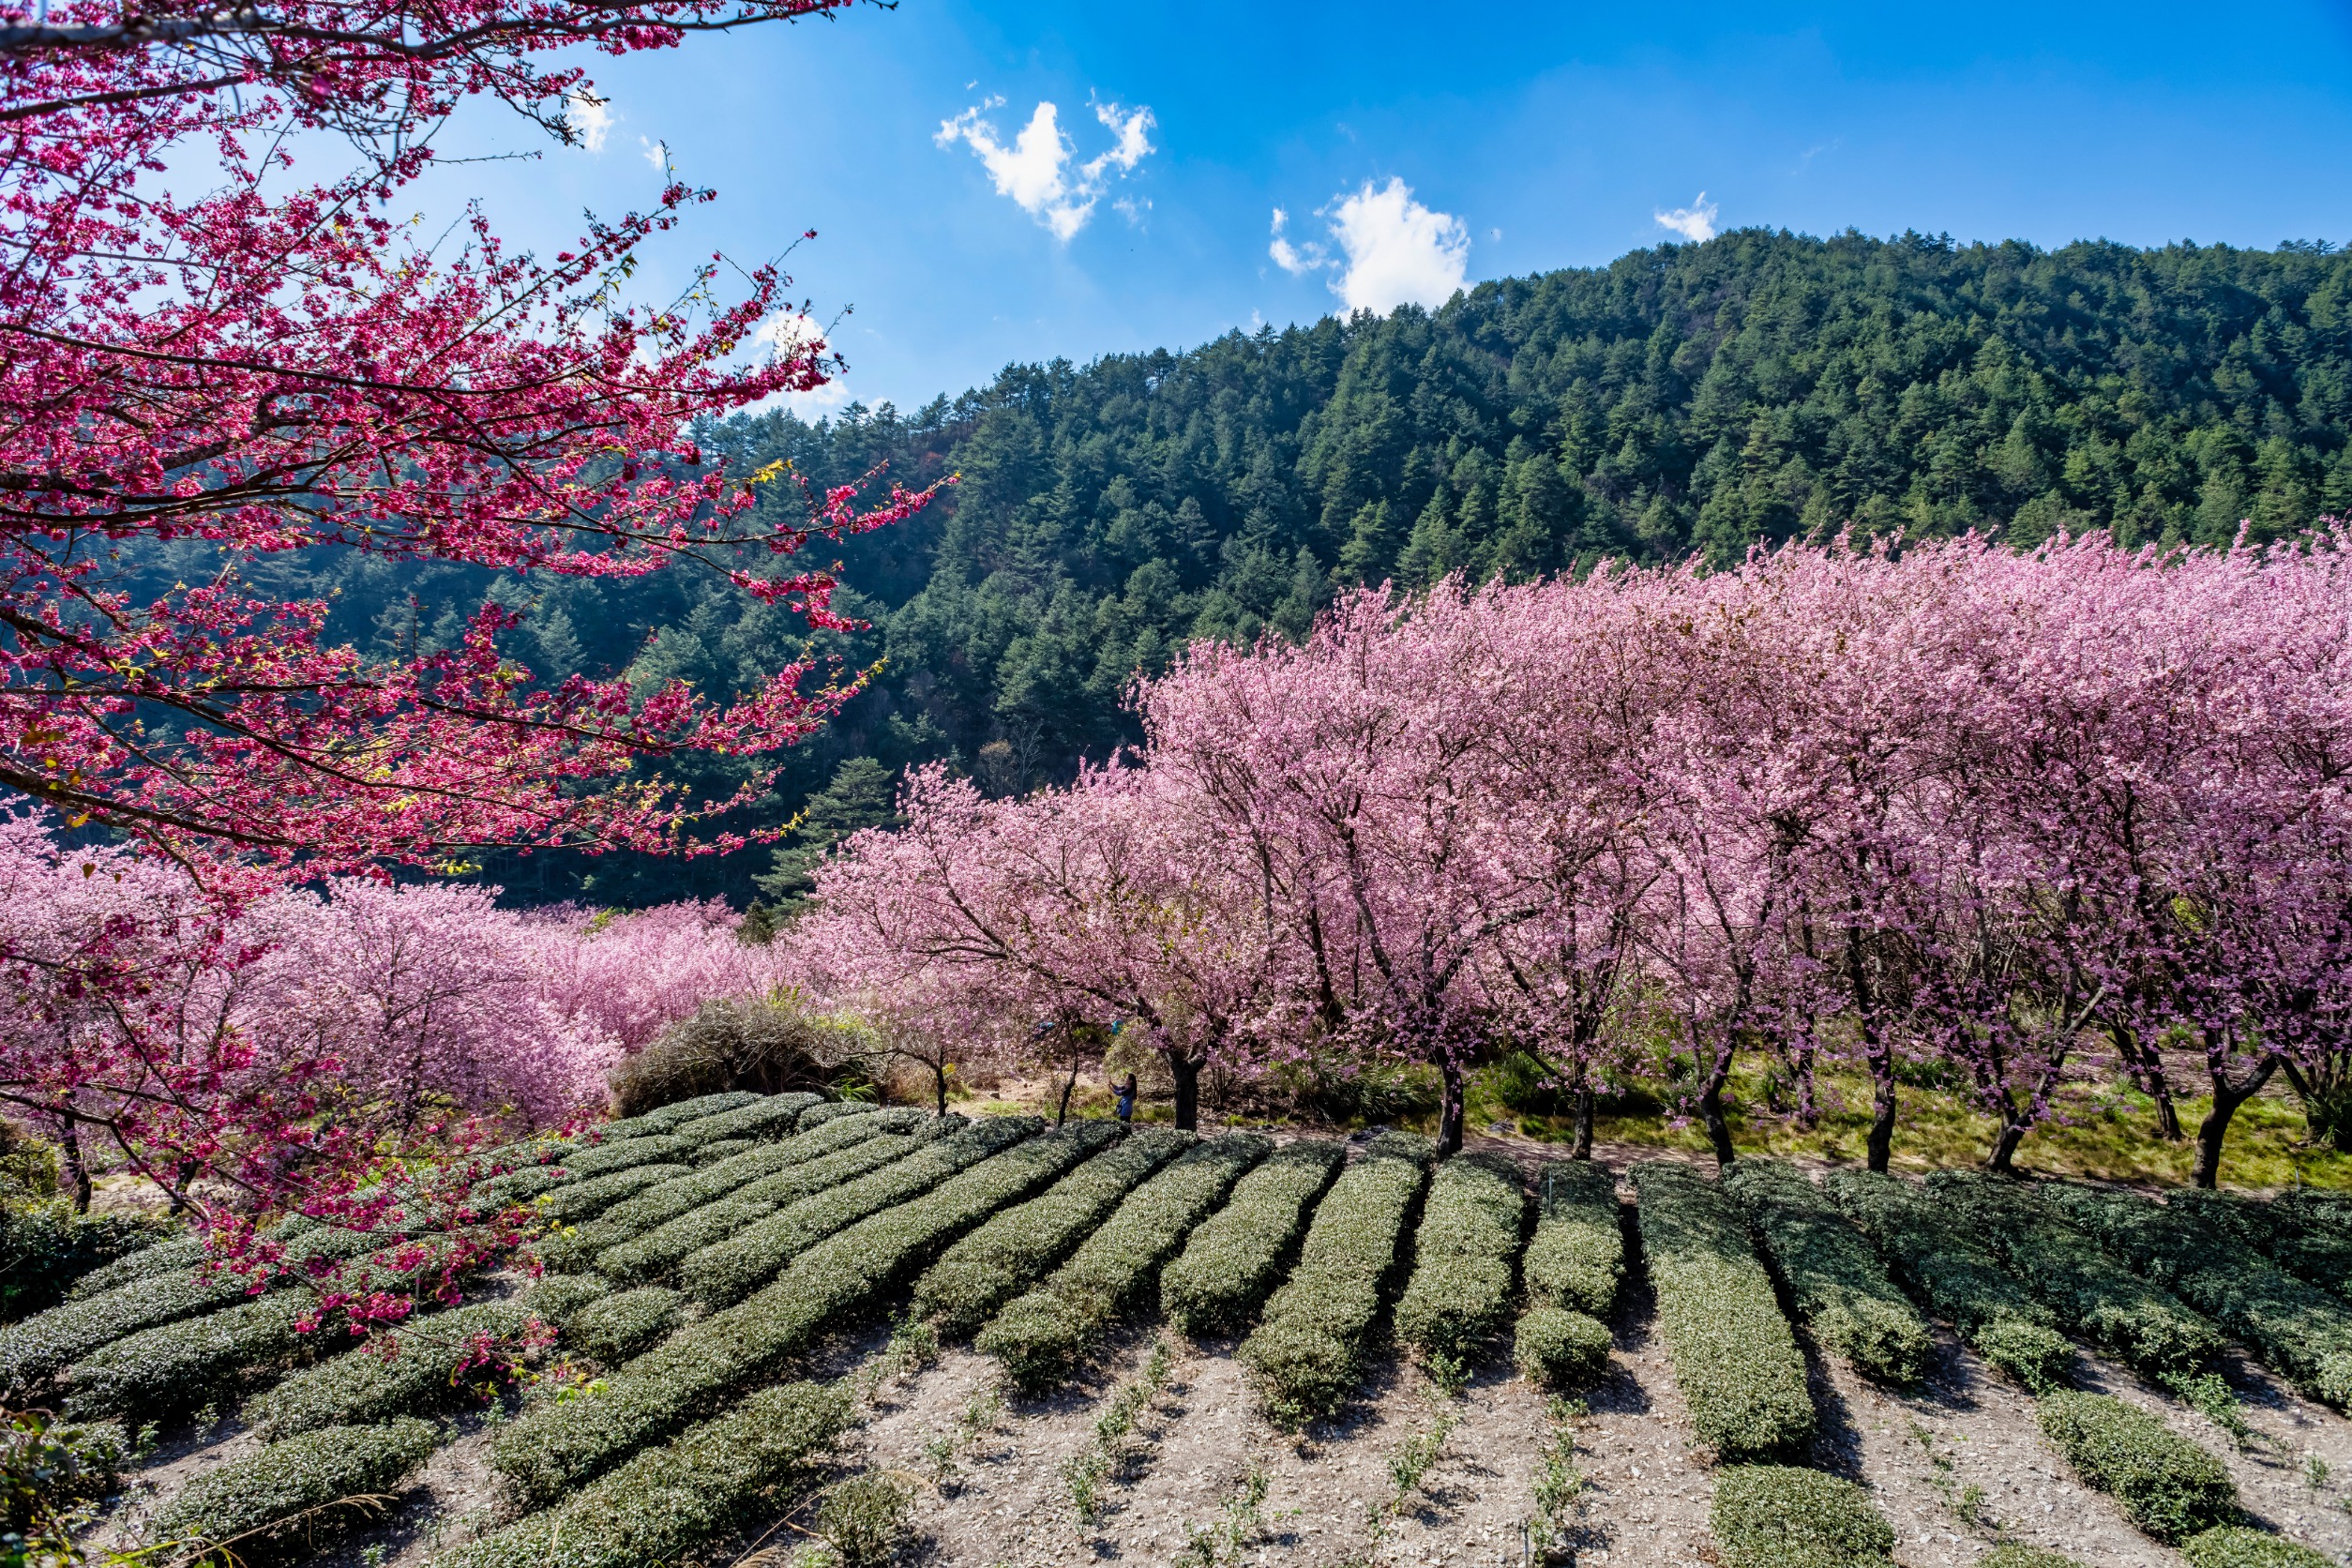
x,y
1701,398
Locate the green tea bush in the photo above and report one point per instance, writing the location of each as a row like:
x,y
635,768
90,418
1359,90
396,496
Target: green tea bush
x,y
1003,1256
1835,1279
2236,1546
2142,1323
2013,1554
708,1154
1041,1337
46,1249
45,1344
662,1248
2302,1330
1234,1259
519,1186
2309,1233
620,1326
2164,1483
1464,1257
168,1371
1560,1347
575,1201
1577,1257
676,1114
415,1373
1306,1353
1960,1281
829,1288
774,1117
180,1252
629,1152
294,1493
1732,1351
667,1502
734,1268
1781,1516
832,1110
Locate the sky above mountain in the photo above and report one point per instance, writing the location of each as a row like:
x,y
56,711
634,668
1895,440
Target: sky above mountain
x,y
993,182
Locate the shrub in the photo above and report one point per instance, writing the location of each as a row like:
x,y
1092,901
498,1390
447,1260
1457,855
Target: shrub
x,y
617,1327
1306,1353
777,1116
1577,1257
2302,1330
825,1290
744,1043
2164,1483
667,1503
663,1247
185,1253
45,1248
2309,1233
417,1373
2140,1322
45,1344
519,1186
1835,1280
987,1268
1780,1517
47,1475
170,1370
1463,1256
287,1492
1560,1347
2236,1546
1733,1354
1960,1281
1041,1335
574,1201
749,1258
668,1118
708,1154
1234,1259
627,1154
866,1520
2013,1554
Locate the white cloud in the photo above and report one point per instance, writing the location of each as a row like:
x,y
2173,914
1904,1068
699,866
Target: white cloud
x,y
1039,169
1289,258
789,331
591,118
1694,222
656,154
1392,250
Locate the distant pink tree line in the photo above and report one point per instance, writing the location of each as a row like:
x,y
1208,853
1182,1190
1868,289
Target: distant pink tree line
x,y
1945,804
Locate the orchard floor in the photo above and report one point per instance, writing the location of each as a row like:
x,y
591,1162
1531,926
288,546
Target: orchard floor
x,y
1956,1464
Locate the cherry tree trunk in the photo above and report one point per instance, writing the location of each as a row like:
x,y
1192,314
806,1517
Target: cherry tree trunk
x,y
1876,1052
1582,1148
1450,1109
2228,1095
1187,1073
69,1143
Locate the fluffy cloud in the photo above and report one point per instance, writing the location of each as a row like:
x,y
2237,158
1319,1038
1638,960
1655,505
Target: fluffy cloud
x,y
1694,222
656,154
1040,169
1391,249
590,119
788,332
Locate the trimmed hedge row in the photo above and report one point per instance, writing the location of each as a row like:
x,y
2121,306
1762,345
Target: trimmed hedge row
x,y
2300,1329
708,1154
663,1247
168,1371
704,1364
2291,1232
575,1201
634,1216
996,1262
1961,1282
2141,1323
1040,1337
1781,1516
288,1490
832,1110
1234,1259
1465,1253
1733,1354
1835,1278
2236,1546
777,1116
519,1186
1577,1258
2164,1483
664,1504
626,1324
605,1158
1560,1347
733,1269
668,1118
1306,1353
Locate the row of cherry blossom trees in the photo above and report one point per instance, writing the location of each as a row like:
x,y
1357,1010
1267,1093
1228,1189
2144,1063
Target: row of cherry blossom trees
x,y
1949,808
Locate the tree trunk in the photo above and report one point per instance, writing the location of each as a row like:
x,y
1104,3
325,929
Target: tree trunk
x,y
2145,1065
2005,1146
1450,1109
2227,1097
939,1082
1068,1084
1582,1148
69,1144
1876,1052
1187,1073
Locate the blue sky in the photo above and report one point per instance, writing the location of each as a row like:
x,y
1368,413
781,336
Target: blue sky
x,y
1408,148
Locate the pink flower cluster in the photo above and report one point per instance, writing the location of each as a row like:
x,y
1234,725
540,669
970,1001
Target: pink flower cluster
x,y
1946,802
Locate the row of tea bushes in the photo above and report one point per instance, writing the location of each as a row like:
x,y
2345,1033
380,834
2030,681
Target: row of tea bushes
x,y
1013,1249
2143,1324
1234,1261
1040,1337
1465,1257
1575,1265
1732,1351
830,1287
1784,1517
1960,1282
2300,1330
730,1270
299,1494
626,1324
670,1118
602,1160
574,1201
1835,1279
2165,1484
1306,1353
773,1117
